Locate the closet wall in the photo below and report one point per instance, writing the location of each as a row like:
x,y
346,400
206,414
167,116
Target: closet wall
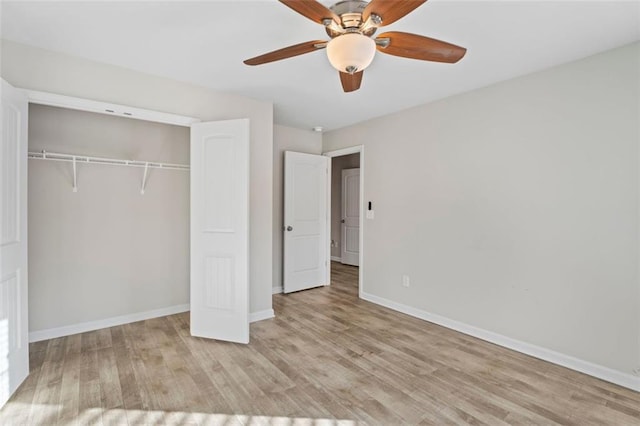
x,y
106,250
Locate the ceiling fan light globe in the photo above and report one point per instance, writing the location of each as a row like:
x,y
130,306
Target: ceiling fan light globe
x,y
351,51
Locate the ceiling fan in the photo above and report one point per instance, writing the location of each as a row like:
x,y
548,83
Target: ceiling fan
x,y
351,25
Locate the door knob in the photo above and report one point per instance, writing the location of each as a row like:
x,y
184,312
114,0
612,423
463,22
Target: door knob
x,y
289,228
342,221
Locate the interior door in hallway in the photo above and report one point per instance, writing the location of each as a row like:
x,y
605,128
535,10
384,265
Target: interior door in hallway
x,y
350,235
306,213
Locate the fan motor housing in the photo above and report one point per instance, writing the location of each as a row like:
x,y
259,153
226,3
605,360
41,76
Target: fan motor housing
x,y
350,13
349,6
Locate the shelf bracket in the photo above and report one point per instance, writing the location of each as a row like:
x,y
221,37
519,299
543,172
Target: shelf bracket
x,y
75,175
144,178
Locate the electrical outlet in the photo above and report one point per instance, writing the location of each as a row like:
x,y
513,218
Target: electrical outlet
x,y
405,281
334,243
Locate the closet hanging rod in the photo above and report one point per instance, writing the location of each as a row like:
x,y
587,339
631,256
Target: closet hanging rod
x,y
55,156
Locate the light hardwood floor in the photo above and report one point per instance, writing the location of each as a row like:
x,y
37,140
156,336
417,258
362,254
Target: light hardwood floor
x,y
327,358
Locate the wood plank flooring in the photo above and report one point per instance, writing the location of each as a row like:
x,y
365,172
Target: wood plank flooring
x,y
327,359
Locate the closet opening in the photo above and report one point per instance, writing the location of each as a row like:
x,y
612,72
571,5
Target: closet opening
x,y
108,218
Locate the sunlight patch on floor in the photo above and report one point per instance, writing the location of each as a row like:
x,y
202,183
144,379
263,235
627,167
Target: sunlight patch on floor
x,y
138,417
16,413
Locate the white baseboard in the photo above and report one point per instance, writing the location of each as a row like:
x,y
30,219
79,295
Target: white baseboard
x,y
277,290
261,315
67,330
623,379
336,258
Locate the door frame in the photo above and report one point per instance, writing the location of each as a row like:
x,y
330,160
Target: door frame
x,y
339,153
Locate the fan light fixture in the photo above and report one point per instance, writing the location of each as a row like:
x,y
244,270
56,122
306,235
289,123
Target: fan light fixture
x,y
351,52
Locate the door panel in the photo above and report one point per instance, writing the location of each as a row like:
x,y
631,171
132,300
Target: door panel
x,y
14,345
305,219
220,230
351,216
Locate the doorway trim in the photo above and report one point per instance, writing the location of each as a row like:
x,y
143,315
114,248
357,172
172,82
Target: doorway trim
x,y
339,153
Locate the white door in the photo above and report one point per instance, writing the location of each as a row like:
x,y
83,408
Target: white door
x,y
350,216
220,230
14,343
305,221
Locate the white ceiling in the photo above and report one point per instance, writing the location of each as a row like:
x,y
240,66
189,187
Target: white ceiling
x,y
205,43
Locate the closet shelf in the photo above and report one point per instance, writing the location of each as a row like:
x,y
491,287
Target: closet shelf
x,y
73,158
55,156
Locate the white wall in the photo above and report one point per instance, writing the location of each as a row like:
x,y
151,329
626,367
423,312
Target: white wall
x,y
43,70
106,250
338,164
514,208
286,139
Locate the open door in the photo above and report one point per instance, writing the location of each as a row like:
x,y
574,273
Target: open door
x,y
14,343
305,221
220,230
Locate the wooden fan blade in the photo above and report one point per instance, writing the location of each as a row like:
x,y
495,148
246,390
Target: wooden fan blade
x,y
311,9
351,82
390,10
287,52
415,46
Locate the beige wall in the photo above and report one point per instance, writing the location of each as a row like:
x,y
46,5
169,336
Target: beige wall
x,y
338,164
286,139
105,250
38,69
514,208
